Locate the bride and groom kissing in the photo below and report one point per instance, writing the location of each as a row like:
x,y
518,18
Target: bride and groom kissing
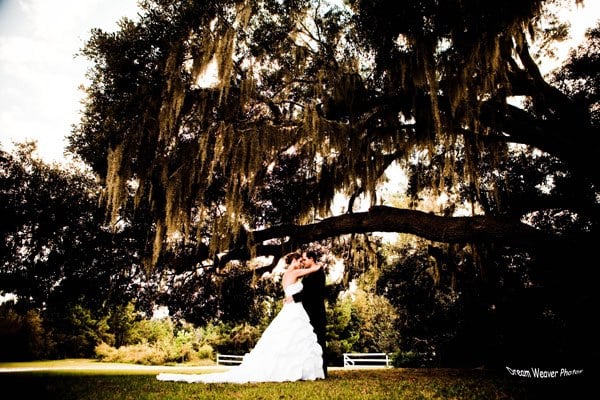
x,y
293,346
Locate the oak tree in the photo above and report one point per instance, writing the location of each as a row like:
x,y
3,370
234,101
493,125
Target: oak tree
x,y
198,105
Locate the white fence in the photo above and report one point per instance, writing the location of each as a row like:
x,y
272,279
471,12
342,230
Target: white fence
x,y
350,359
366,359
229,359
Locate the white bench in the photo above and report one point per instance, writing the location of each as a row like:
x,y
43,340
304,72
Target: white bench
x,y
229,359
366,359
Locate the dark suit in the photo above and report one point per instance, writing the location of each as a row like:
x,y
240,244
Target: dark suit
x,y
312,297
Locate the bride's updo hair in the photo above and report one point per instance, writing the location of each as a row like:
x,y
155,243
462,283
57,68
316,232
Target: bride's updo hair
x,y
292,256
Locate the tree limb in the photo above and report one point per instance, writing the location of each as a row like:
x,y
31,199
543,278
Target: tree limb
x,y
429,226
499,230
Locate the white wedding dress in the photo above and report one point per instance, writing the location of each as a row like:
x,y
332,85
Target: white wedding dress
x,y
287,351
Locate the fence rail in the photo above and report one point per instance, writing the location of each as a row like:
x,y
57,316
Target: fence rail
x,y
350,359
229,359
366,359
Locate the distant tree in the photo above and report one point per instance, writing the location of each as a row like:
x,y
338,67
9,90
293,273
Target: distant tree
x,y
58,254
343,329
377,323
77,330
201,297
121,322
23,336
56,248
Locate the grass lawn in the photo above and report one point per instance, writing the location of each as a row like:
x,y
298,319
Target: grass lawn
x,y
70,380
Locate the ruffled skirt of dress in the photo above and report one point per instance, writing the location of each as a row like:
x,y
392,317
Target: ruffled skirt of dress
x,y
287,351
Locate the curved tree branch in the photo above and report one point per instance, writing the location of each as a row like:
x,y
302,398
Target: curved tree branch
x,y
430,226
498,230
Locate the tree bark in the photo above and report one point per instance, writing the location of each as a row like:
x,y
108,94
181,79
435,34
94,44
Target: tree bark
x,y
430,226
474,229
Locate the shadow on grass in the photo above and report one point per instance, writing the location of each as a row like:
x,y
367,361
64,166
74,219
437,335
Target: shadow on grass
x,y
341,384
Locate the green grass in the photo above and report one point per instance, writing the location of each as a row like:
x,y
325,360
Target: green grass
x,y
109,384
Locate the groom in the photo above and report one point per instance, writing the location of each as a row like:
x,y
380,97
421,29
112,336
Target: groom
x,y
313,300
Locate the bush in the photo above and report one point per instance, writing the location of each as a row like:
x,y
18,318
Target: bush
x,y
158,342
136,354
106,352
205,352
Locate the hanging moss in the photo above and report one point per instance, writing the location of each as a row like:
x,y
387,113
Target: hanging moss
x,y
344,93
115,187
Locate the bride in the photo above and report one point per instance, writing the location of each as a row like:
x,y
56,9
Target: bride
x,y
288,348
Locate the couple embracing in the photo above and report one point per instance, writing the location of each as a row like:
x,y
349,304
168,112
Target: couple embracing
x,y
292,347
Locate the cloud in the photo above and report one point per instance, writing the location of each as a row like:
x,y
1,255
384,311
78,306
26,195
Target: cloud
x,y
39,71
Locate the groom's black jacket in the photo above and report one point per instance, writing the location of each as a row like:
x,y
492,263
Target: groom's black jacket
x,y
312,297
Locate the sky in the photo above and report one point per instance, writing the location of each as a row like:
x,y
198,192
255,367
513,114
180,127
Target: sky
x,y
40,74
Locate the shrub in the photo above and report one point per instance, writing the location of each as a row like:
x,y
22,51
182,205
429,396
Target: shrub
x,y
157,342
144,354
106,352
205,351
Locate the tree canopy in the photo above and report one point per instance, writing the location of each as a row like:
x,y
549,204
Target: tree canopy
x,y
237,122
56,249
